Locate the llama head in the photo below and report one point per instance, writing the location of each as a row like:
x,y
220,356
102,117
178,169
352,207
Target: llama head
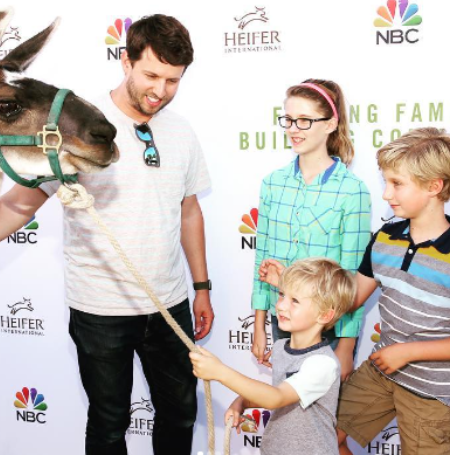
x,y
87,137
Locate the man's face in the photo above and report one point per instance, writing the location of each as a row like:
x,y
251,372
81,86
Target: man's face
x,y
150,84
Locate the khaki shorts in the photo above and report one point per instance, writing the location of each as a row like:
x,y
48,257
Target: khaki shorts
x,y
369,401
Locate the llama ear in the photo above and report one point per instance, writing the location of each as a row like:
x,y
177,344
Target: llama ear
x,y
20,58
5,18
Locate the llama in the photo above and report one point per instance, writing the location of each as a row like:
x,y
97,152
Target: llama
x,y
87,137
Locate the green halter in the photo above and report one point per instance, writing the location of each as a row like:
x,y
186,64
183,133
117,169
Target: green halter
x,y
40,140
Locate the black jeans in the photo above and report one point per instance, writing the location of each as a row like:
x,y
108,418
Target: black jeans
x,y
106,346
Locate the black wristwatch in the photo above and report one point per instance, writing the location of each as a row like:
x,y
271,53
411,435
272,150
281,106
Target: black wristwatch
x,y
203,285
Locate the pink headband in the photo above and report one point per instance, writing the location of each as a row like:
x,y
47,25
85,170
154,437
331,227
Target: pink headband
x,y
324,94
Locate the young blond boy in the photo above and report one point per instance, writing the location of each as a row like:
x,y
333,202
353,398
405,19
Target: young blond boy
x,y
408,374
314,294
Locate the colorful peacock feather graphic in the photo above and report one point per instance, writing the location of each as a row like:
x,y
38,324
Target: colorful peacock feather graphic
x,y
250,222
407,13
251,422
115,31
31,224
376,336
37,399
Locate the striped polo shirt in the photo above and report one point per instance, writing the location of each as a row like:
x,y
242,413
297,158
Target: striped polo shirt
x,y
415,301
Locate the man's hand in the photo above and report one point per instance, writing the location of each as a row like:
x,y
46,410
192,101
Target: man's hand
x,y
391,358
270,271
206,365
203,314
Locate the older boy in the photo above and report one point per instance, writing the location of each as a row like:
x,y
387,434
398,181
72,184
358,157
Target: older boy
x,y
408,374
314,294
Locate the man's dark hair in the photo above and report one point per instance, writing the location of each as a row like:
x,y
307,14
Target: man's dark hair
x,y
167,37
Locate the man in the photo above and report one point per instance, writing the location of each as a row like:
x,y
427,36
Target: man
x,y
149,201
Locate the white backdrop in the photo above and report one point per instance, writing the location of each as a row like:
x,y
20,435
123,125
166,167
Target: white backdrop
x,y
393,79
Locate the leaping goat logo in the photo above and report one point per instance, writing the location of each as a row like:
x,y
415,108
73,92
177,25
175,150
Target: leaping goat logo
x,y
258,15
143,405
388,433
250,320
11,33
25,305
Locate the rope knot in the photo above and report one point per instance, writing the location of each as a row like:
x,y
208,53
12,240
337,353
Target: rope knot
x,y
75,196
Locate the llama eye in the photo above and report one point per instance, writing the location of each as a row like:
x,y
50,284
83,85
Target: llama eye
x,y
9,109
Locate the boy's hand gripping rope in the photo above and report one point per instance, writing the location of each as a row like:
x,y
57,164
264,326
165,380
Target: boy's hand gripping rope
x,y
75,196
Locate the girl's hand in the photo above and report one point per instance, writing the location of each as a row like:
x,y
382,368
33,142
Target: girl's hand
x,y
206,365
259,343
270,271
234,412
344,352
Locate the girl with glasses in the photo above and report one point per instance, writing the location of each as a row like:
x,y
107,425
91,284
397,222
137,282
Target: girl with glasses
x,y
313,207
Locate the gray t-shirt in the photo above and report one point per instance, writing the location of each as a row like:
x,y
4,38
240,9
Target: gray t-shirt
x,y
307,427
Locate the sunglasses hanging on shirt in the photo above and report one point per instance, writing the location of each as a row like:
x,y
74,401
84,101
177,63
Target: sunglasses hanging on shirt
x,y
151,154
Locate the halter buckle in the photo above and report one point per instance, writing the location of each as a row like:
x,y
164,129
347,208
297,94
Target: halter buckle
x,y
45,145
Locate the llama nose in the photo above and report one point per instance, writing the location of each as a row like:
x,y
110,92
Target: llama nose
x,y
103,133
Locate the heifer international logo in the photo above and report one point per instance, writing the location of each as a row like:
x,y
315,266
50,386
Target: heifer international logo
x,y
11,36
241,339
386,443
18,322
116,38
257,37
399,14
141,418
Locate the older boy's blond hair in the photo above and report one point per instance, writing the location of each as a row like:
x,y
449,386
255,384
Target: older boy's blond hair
x,y
334,288
424,153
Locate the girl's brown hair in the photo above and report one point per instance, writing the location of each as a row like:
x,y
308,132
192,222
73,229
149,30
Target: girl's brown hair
x,y
339,142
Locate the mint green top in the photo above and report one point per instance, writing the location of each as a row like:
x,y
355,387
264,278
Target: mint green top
x,y
330,218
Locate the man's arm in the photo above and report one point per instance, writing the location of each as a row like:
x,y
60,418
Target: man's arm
x,y
193,242
17,207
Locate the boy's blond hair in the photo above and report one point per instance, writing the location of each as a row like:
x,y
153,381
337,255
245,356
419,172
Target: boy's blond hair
x,y
425,155
334,288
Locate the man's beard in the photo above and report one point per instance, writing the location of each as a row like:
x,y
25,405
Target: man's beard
x,y
137,100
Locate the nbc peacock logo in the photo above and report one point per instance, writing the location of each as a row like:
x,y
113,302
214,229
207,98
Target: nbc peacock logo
x,y
397,14
26,234
248,228
254,423
376,336
116,38
30,406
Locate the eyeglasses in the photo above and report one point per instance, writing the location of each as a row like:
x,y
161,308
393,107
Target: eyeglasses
x,y
151,155
300,123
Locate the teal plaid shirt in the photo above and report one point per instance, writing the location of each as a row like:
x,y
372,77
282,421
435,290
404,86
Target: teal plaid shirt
x,y
330,217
